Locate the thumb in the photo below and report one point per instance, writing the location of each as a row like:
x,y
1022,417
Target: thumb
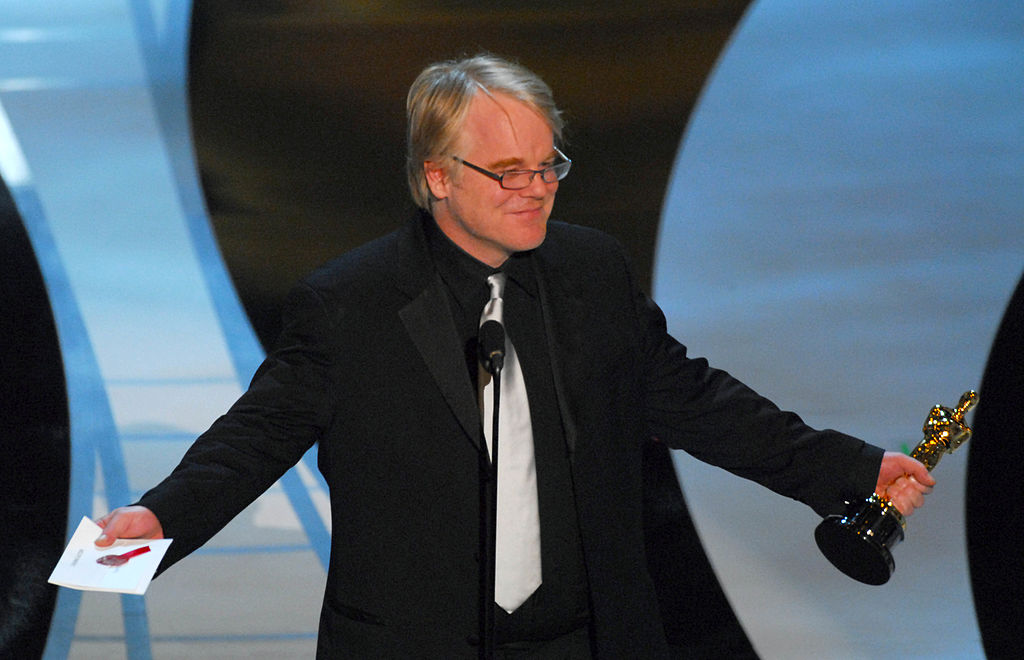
x,y
918,471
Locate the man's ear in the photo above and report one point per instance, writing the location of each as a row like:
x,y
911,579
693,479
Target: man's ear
x,y
437,178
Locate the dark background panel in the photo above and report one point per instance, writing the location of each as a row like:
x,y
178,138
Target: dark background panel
x,y
298,112
298,117
995,532
34,443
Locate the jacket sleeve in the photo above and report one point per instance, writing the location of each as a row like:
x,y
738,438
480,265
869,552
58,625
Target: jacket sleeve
x,y
691,406
264,433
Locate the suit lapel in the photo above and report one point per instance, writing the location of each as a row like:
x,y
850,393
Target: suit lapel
x,y
560,310
428,320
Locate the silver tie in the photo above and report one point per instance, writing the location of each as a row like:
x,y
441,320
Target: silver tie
x,y
517,554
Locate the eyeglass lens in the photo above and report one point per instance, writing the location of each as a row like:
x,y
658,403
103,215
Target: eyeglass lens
x,y
518,180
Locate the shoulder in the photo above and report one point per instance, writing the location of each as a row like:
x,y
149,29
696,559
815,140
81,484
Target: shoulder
x,y
346,286
591,267
573,239
575,249
368,263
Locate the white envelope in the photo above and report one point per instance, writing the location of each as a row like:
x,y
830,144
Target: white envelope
x,y
78,568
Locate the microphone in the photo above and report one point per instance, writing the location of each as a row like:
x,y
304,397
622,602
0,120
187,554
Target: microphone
x,y
492,346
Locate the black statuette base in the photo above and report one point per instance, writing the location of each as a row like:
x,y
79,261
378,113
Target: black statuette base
x,y
860,545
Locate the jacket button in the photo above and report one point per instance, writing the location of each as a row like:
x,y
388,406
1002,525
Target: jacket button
x,y
473,640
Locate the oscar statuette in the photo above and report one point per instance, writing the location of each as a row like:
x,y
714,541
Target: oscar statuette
x,y
860,543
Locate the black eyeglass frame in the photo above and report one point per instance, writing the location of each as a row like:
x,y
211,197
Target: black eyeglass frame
x,y
560,170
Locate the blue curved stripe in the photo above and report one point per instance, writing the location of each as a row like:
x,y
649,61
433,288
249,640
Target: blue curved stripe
x,y
93,432
165,62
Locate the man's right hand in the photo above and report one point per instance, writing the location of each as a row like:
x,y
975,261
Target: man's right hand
x,y
128,522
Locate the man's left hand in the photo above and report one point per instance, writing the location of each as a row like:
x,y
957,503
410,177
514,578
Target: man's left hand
x,y
904,481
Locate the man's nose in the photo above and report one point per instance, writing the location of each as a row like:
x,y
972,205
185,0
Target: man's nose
x,y
538,187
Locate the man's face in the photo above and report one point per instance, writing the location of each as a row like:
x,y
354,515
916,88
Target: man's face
x,y
472,209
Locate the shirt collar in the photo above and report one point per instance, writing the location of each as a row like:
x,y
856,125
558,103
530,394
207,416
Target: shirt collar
x,y
465,275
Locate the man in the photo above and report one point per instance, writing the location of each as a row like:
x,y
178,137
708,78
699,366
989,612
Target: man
x,y
378,364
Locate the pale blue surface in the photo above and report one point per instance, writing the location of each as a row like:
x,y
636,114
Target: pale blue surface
x,y
843,230
95,149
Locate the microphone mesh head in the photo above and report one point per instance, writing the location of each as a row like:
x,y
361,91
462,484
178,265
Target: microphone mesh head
x,y
492,345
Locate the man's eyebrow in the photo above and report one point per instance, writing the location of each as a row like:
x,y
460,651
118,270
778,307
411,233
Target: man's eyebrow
x,y
506,163
516,162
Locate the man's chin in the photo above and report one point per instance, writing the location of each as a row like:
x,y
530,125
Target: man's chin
x,y
534,240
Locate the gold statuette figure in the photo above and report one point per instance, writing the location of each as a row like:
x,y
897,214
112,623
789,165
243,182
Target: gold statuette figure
x,y
860,543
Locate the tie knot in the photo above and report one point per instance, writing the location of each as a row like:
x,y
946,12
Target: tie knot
x,y
497,284
494,307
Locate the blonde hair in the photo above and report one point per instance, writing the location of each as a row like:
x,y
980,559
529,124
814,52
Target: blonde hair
x,y
439,99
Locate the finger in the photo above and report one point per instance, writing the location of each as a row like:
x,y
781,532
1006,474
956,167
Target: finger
x,y
911,485
108,524
918,486
904,504
103,521
899,486
914,498
117,524
917,470
910,490
908,497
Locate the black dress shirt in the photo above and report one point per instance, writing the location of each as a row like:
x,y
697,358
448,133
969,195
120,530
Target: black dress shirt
x,y
560,604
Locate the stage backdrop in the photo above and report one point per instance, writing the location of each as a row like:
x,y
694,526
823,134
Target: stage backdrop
x,y
843,231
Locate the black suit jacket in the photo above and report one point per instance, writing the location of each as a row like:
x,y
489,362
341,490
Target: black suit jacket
x,y
369,366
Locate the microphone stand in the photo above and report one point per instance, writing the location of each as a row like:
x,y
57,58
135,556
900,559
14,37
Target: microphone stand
x,y
488,521
492,358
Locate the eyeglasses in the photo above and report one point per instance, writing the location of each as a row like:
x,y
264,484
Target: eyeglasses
x,y
519,179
